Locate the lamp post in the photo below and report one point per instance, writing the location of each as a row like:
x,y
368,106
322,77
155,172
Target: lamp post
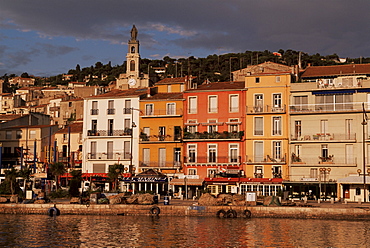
x,y
231,76
364,123
324,171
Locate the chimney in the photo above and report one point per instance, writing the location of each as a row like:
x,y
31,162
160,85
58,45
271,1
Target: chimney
x,y
148,92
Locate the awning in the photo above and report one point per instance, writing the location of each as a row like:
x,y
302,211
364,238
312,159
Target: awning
x,y
332,92
354,180
189,182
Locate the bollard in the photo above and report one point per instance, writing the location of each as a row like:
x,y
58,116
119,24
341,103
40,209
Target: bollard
x,y
332,200
305,199
345,201
319,201
359,200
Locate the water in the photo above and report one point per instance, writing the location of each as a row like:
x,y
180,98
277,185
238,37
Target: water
x,y
145,231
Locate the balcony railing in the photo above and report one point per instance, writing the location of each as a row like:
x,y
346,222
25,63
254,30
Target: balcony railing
x,y
213,160
94,111
156,138
159,164
125,132
267,159
162,112
327,107
108,155
319,161
324,136
111,111
215,135
266,109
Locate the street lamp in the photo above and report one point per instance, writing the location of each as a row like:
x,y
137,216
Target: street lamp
x,y
324,171
231,76
364,123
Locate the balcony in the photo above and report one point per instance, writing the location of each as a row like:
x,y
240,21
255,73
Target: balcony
x,y
159,138
322,161
318,137
161,165
267,159
162,113
326,108
94,111
213,160
266,109
215,135
108,156
125,132
111,111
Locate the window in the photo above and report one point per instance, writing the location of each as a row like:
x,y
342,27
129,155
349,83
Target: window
x,y
358,191
233,153
334,102
177,156
258,125
110,127
212,104
65,137
258,151
324,151
126,150
146,130
258,103
300,103
193,105
212,153
192,151
162,133
94,125
212,127
276,146
257,80
234,103
192,171
324,126
192,128
297,150
297,129
94,108
162,157
132,64
349,154
276,125
127,109
169,88
277,79
146,157
211,172
258,172
110,150
348,128
276,171
233,125
313,173
171,109
127,124
149,109
8,134
93,149
32,134
110,110
276,98
18,134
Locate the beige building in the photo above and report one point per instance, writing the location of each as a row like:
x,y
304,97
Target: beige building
x,y
326,143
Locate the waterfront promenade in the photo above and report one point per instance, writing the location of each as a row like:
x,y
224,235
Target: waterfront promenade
x,y
310,210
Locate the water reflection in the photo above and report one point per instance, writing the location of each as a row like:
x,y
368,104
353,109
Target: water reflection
x,y
144,231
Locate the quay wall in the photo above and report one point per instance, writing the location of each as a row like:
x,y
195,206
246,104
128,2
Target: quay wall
x,y
352,213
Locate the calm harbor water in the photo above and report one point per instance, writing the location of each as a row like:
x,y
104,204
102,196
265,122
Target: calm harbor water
x,y
145,231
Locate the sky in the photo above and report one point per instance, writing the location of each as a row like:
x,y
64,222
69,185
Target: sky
x,y
49,37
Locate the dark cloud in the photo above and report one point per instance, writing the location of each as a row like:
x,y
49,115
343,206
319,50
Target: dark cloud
x,y
315,26
54,50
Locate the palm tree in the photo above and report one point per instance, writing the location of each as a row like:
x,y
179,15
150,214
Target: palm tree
x,y
114,172
25,173
11,176
57,169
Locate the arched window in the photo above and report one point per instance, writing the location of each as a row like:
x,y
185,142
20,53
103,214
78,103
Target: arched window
x,y
133,49
132,65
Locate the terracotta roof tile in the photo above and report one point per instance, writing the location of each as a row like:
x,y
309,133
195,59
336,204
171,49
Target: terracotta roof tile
x,y
74,128
336,70
173,80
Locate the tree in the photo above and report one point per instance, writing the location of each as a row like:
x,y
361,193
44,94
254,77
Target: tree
x,y
11,176
114,172
57,169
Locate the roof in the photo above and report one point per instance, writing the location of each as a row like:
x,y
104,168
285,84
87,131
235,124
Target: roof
x,y
220,86
189,182
164,96
336,70
176,80
73,128
268,67
121,93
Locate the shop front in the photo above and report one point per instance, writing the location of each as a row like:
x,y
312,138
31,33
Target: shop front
x,y
148,181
